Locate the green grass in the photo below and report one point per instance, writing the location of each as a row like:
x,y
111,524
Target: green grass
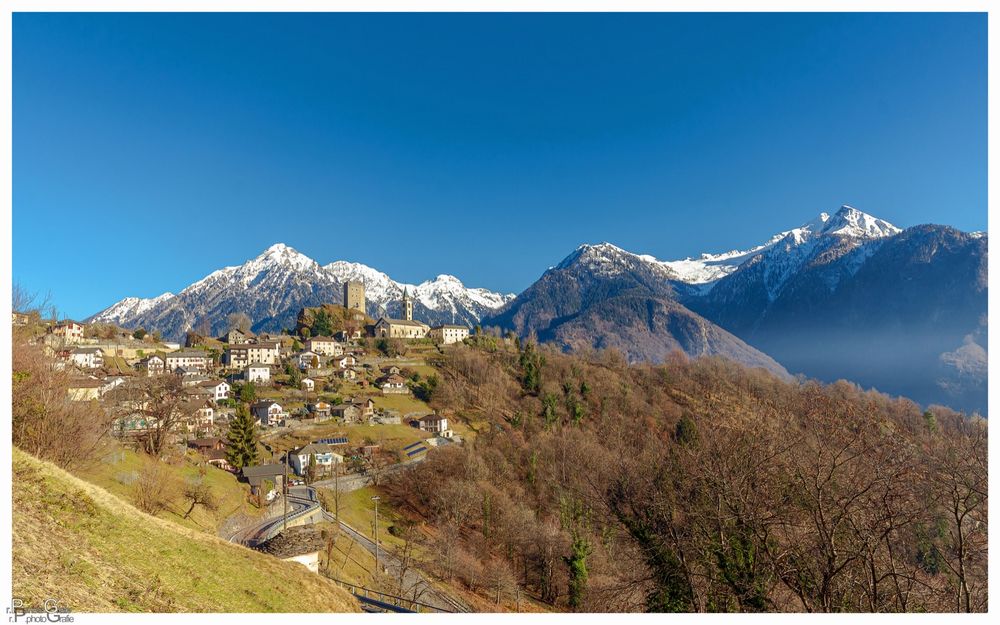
x,y
358,510
115,465
393,437
93,552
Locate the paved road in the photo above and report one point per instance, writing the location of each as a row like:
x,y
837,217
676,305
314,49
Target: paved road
x,y
413,580
300,499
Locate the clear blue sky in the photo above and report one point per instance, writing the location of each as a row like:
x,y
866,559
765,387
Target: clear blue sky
x,y
152,149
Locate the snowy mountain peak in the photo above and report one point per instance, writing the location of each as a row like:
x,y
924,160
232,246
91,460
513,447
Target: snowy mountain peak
x,y
274,285
850,222
289,257
594,254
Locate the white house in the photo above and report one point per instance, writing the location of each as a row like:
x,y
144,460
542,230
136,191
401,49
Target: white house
x,y
308,360
435,424
239,356
346,361
324,345
87,357
393,385
258,374
308,384
152,365
268,412
448,333
326,458
189,359
219,389
69,331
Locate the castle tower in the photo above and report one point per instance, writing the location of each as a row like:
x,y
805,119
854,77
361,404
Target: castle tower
x,y
354,295
407,305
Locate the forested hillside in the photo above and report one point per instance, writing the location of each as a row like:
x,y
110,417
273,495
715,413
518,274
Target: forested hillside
x,y
698,486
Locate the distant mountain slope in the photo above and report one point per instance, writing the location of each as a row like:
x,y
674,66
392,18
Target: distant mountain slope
x,y
846,295
906,314
602,296
92,552
274,286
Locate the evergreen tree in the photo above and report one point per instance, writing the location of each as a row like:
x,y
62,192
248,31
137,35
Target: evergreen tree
x,y
248,393
322,324
242,439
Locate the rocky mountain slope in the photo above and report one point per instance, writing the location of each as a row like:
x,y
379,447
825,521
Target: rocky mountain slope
x,y
845,295
275,285
601,296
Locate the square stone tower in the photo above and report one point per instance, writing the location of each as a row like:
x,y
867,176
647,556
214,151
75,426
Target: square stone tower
x,y
354,295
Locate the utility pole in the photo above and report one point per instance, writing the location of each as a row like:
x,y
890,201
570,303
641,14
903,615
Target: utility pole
x,y
336,498
284,498
375,499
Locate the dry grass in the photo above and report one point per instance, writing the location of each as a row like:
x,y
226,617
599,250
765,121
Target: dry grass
x,y
93,552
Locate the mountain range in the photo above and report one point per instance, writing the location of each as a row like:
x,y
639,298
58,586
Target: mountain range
x,y
845,295
275,285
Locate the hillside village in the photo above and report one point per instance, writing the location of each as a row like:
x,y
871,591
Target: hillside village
x,y
336,402
286,380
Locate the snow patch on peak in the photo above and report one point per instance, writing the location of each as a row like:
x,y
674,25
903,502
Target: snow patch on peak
x,y
850,222
129,307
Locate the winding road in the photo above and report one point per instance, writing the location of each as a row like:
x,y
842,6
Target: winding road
x,y
302,500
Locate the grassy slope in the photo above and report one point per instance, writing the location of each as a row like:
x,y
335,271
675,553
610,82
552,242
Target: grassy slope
x,y
95,553
116,464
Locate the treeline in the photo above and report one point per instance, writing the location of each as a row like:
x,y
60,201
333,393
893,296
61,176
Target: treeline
x,y
698,486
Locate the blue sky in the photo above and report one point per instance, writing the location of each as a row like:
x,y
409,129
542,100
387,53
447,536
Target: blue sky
x,y
151,149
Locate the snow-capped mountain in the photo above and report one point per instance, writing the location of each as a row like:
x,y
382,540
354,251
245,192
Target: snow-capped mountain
x,y
272,287
848,223
130,308
844,295
602,296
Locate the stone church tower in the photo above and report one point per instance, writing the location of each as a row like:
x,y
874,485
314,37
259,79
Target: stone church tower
x,y
407,305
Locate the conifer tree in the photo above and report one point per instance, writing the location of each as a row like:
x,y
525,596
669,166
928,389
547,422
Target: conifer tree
x,y
242,439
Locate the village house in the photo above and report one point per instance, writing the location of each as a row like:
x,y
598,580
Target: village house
x,y
347,412
69,331
87,357
323,453
238,337
347,374
390,370
308,360
199,415
261,474
84,389
325,345
188,359
344,336
268,412
218,389
239,356
319,410
207,444
308,385
435,424
152,365
192,377
393,385
344,362
110,384
448,334
258,374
